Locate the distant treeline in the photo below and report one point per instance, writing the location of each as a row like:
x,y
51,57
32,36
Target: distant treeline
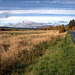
x,y
16,29
8,29
62,28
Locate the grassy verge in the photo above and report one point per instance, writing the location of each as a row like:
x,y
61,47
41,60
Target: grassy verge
x,y
58,59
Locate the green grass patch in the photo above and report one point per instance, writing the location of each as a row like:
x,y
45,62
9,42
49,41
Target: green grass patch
x,y
59,60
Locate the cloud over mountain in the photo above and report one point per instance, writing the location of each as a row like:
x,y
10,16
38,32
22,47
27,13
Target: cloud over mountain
x,y
28,24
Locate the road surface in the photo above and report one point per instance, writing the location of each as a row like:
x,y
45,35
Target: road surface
x,y
73,35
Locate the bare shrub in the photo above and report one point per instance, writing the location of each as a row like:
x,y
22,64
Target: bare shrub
x,y
62,30
73,28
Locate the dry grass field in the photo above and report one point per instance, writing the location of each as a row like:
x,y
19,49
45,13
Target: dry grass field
x,y
14,42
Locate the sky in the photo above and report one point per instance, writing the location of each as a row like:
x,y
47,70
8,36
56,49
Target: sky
x,y
13,11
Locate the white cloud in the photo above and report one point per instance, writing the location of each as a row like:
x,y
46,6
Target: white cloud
x,y
16,19
31,1
54,1
37,1
4,15
0,1
39,11
1,25
61,1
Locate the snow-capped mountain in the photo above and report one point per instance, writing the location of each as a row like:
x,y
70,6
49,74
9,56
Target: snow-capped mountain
x,y
28,24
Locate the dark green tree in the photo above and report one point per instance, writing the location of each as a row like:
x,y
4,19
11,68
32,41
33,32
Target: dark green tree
x,y
72,23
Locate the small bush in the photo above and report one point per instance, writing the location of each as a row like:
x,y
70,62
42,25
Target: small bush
x,y
73,28
62,30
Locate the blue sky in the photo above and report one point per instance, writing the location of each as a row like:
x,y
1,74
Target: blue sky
x,y
13,11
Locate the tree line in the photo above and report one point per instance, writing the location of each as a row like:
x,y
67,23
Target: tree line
x,y
8,29
62,28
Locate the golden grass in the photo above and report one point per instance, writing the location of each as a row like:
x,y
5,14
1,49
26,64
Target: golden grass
x,y
12,44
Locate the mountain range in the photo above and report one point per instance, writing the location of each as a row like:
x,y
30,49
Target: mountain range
x,y
29,24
